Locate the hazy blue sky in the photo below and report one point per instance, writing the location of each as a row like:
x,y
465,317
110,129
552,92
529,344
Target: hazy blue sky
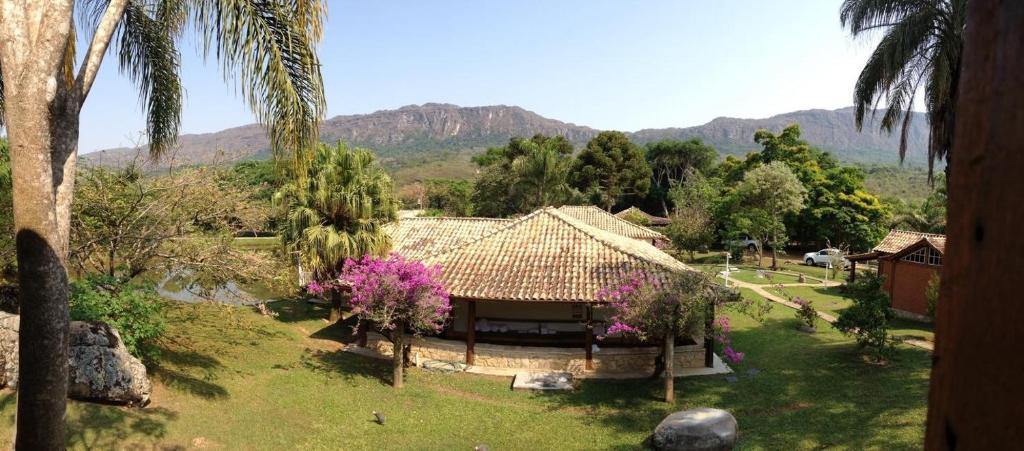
x,y
622,65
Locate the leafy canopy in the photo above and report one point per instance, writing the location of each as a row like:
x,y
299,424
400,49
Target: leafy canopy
x,y
336,209
610,168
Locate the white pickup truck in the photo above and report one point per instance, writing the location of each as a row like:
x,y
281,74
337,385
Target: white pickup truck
x,y
824,257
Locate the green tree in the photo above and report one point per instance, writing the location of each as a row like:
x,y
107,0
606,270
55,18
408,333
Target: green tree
x,y
541,176
450,197
336,209
500,190
610,168
838,208
268,45
693,219
672,161
928,217
922,43
867,320
765,196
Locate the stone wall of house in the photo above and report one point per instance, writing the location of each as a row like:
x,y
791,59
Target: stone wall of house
x,y
607,360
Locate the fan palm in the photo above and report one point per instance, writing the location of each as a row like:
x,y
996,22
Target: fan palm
x,y
269,45
922,45
337,209
542,175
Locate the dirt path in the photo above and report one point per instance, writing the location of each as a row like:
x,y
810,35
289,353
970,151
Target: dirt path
x,y
760,289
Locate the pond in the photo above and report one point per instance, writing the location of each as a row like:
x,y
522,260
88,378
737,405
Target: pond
x,y
181,286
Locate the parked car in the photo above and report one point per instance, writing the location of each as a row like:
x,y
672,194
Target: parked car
x,y
824,257
743,242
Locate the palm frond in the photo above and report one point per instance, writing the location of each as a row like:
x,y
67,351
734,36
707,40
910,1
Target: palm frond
x,y
269,45
149,57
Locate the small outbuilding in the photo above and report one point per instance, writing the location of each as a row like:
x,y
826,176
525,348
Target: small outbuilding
x,y
596,217
653,221
907,262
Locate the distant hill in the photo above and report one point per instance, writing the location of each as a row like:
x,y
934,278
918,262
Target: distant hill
x,y
427,132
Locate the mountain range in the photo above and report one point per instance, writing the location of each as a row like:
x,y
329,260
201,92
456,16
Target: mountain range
x,y
424,132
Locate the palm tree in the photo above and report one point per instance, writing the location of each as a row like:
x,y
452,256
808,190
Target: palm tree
x,y
542,174
922,43
336,209
269,45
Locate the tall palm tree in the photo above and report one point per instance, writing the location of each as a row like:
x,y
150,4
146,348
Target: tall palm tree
x,y
922,44
336,209
269,45
542,175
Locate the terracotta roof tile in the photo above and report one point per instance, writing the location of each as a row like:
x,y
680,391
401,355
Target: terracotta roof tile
x,y
548,256
417,238
897,240
603,220
654,220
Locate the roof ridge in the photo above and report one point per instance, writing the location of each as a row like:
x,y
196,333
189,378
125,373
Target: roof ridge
x,y
510,223
456,218
623,221
927,234
611,243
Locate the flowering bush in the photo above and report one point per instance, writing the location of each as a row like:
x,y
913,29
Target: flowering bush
x,y
393,292
807,315
651,309
394,296
722,330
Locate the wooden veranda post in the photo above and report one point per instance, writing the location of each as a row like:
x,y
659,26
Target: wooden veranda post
x,y
709,337
588,339
853,271
470,331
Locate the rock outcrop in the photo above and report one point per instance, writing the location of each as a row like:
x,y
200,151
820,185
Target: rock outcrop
x,y
101,369
696,429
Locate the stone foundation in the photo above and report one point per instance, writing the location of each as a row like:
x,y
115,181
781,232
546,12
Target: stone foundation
x,y
610,361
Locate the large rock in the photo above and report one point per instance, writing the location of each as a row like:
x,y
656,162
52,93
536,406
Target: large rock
x,y
696,429
101,369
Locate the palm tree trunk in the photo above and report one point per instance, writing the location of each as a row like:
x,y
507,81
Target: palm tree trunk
x,y
42,126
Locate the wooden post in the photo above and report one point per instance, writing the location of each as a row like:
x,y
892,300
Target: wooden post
x,y
361,333
853,271
976,391
335,314
470,331
670,375
709,338
588,339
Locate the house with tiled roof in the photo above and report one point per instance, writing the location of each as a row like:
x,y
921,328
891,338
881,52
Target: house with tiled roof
x,y
907,261
524,292
596,217
654,221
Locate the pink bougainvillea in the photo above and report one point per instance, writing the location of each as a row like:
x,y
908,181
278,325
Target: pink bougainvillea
x,y
650,309
394,293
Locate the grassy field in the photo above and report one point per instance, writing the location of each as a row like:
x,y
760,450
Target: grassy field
x,y
230,378
831,300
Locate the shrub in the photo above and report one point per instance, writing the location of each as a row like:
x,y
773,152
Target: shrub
x,y
807,314
867,320
137,312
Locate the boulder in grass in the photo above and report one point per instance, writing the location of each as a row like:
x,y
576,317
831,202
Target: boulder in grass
x,y
101,369
696,429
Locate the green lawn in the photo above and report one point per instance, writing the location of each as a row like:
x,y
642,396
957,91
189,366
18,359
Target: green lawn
x,y
831,300
259,242
230,378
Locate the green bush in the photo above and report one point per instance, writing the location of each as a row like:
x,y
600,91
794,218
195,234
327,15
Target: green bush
x,y
867,320
137,312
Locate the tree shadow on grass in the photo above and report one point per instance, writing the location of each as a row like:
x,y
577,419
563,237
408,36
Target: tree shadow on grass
x,y
352,368
94,426
298,309
808,390
190,372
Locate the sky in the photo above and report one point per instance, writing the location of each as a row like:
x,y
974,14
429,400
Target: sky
x,y
607,64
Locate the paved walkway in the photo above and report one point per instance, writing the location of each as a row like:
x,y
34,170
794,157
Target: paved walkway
x,y
760,289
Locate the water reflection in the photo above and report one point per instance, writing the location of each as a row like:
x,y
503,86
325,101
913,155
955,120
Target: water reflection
x,y
181,286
